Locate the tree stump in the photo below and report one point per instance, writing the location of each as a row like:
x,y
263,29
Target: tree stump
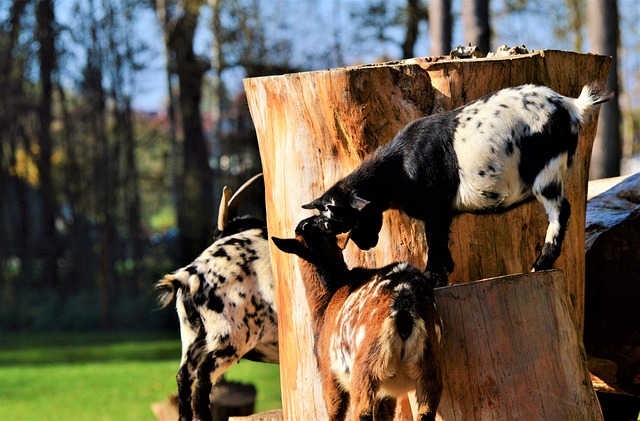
x,y
314,128
513,351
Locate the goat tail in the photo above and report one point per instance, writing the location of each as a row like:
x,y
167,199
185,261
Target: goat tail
x,y
404,324
591,96
168,287
404,313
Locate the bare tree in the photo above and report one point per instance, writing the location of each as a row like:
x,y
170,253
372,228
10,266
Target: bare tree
x,y
121,64
8,87
414,14
195,203
47,58
604,38
475,20
440,27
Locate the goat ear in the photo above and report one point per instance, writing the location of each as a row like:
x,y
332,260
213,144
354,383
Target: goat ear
x,y
290,245
343,240
358,203
316,204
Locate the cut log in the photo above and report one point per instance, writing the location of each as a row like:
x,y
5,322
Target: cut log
x,y
232,399
513,351
228,399
612,289
314,128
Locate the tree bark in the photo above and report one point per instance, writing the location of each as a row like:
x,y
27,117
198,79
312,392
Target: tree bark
x,y
314,128
440,27
603,34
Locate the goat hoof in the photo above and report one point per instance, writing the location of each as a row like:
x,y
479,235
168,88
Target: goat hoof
x,y
440,282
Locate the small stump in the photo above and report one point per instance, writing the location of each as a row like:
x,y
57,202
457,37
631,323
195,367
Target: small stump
x,y
228,399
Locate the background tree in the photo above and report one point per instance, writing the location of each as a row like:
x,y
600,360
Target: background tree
x,y
414,13
47,62
475,22
10,81
440,27
604,38
195,192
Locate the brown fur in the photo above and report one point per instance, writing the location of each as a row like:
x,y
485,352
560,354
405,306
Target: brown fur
x,y
359,317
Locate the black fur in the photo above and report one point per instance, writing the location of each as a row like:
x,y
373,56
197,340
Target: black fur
x,y
402,175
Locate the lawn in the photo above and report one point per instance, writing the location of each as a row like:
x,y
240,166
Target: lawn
x,y
111,376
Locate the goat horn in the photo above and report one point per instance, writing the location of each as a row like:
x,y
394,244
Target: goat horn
x,y
223,212
235,199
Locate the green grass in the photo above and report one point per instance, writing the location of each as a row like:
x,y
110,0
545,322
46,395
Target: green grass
x,y
102,376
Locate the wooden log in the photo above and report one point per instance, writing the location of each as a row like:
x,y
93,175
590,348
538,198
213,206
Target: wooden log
x,y
314,128
612,290
513,351
165,411
228,399
232,399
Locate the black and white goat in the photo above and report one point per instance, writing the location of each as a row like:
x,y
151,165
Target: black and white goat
x,y
484,157
226,304
377,331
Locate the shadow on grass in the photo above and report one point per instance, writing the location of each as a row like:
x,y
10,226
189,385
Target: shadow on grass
x,y
28,348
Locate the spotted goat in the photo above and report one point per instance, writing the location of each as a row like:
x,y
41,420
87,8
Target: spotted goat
x,y
377,331
226,305
485,157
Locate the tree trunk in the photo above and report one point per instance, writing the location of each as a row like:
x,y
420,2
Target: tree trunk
x,y
314,128
440,27
414,16
47,55
103,163
161,12
132,196
475,21
603,34
195,218
7,122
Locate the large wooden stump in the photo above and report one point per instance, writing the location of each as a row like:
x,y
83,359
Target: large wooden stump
x,y
314,128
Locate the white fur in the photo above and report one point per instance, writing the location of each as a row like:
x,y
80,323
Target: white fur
x,y
501,119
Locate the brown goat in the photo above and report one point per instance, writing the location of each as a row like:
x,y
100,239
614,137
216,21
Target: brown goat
x,y
377,331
